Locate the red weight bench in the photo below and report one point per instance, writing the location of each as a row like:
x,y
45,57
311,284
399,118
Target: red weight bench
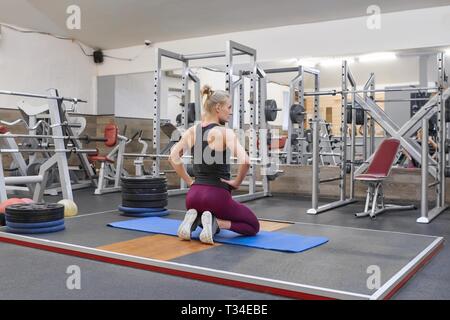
x,y
378,170
110,138
3,130
111,164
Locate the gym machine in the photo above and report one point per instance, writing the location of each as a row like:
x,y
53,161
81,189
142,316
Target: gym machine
x,y
436,168
38,122
234,83
297,147
295,150
111,165
59,150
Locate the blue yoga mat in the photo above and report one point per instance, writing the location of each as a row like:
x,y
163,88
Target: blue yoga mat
x,y
277,241
146,214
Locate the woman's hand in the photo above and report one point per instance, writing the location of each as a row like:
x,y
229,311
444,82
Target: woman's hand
x,y
232,183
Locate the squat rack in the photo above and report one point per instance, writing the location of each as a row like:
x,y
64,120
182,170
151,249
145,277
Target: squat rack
x,y
436,168
295,147
256,97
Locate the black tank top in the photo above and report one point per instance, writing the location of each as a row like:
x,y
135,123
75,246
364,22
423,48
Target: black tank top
x,y
209,165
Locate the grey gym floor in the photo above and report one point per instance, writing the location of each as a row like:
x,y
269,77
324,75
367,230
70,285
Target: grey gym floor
x,y
32,274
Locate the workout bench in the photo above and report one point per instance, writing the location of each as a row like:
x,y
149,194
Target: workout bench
x,y
378,170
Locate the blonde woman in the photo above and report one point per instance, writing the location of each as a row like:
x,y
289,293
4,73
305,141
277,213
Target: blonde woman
x,y
209,201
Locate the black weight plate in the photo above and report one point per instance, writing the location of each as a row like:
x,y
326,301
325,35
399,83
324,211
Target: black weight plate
x,y
144,182
144,186
145,204
26,209
271,111
35,219
359,115
297,113
191,112
144,179
145,196
144,190
2,219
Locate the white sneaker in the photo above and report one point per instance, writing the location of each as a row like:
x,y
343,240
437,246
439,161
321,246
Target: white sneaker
x,y
210,228
188,225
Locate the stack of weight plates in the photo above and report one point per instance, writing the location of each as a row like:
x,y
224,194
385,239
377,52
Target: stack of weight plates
x,y
34,218
144,196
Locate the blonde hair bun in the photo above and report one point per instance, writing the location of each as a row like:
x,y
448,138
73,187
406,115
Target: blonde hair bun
x,y
212,98
207,91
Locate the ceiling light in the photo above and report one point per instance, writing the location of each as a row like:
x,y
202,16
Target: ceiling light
x,y
378,56
308,62
336,62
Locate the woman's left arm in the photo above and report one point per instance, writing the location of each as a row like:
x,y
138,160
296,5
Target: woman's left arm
x,y
177,152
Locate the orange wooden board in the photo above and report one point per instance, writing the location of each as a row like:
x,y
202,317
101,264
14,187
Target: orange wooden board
x,y
163,247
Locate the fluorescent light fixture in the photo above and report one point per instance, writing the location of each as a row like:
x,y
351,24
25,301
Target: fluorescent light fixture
x,y
308,62
336,62
378,56
290,61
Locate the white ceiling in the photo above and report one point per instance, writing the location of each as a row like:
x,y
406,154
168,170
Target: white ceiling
x,y
110,24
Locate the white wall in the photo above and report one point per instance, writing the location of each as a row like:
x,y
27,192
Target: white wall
x,y
400,30
133,95
34,63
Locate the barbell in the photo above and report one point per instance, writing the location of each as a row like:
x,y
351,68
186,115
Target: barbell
x,y
271,110
71,150
297,111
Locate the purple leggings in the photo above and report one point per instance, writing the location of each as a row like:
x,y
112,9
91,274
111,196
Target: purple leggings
x,y
220,203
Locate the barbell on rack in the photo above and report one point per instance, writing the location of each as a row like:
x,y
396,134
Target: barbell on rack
x,y
85,138
40,96
166,156
341,92
71,150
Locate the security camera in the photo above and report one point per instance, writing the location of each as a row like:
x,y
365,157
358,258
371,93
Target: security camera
x,y
148,43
